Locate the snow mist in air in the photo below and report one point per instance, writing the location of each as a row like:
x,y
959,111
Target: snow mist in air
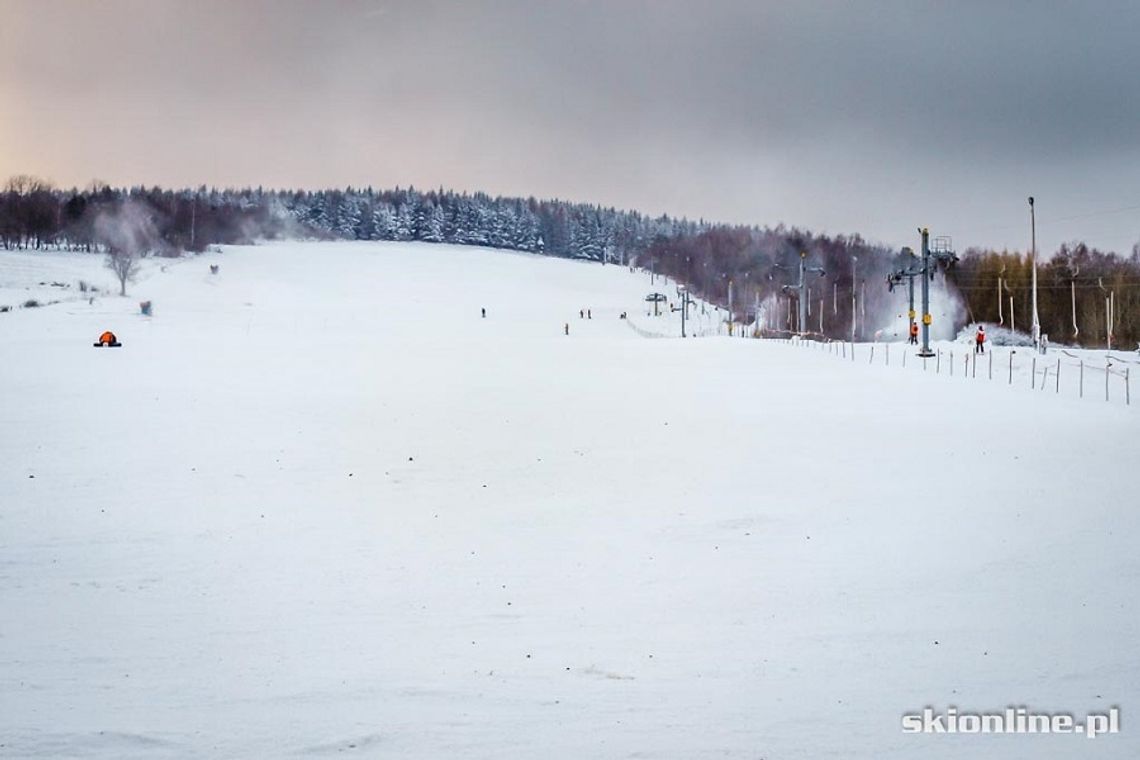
x,y
946,308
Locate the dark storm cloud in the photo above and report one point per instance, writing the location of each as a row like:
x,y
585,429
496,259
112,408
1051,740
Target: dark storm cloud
x,y
864,116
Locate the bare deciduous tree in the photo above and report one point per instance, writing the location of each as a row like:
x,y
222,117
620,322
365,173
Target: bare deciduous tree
x,y
125,264
128,234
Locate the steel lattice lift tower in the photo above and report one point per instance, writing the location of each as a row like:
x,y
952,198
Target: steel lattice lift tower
x,y
941,255
801,289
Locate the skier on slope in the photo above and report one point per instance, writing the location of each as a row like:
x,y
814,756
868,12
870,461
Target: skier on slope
x,y
980,340
913,333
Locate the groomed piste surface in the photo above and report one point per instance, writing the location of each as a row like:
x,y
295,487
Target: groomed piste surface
x,y
317,505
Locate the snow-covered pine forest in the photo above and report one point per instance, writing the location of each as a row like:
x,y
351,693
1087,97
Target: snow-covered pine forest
x,y
33,214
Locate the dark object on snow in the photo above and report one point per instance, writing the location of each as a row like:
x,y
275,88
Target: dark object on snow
x,y
484,313
145,308
107,339
213,269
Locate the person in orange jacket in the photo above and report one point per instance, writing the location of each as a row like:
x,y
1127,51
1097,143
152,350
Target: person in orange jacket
x,y
913,333
980,340
107,339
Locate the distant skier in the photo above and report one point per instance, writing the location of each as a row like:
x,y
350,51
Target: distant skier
x,y
566,328
484,312
589,314
1044,343
581,314
913,333
980,340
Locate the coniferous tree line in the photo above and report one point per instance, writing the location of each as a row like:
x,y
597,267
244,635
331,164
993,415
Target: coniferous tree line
x,y
35,215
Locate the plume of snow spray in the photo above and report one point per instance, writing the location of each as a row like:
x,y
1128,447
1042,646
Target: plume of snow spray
x,y
946,308
128,229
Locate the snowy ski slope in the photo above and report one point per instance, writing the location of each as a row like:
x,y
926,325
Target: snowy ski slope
x,y
316,505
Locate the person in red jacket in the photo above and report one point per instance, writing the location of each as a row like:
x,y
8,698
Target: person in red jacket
x,y
108,339
913,333
980,340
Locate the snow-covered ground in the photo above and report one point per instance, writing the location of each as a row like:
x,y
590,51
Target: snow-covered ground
x,y
317,505
48,278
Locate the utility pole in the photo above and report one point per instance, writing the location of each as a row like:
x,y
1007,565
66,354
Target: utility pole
x,y
1111,317
1109,309
863,305
1033,254
1001,318
854,261
1073,292
730,320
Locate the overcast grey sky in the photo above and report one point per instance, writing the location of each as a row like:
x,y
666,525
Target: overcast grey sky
x,y
871,117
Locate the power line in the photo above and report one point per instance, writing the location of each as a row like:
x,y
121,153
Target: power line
x,y
1046,221
1090,286
1092,214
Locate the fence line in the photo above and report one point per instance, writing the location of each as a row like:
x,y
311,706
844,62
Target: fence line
x,y
840,349
1039,376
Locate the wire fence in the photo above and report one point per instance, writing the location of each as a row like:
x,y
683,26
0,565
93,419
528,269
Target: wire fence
x,y
1059,372
645,333
696,327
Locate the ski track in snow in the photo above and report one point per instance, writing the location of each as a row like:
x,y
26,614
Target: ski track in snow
x,y
316,505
